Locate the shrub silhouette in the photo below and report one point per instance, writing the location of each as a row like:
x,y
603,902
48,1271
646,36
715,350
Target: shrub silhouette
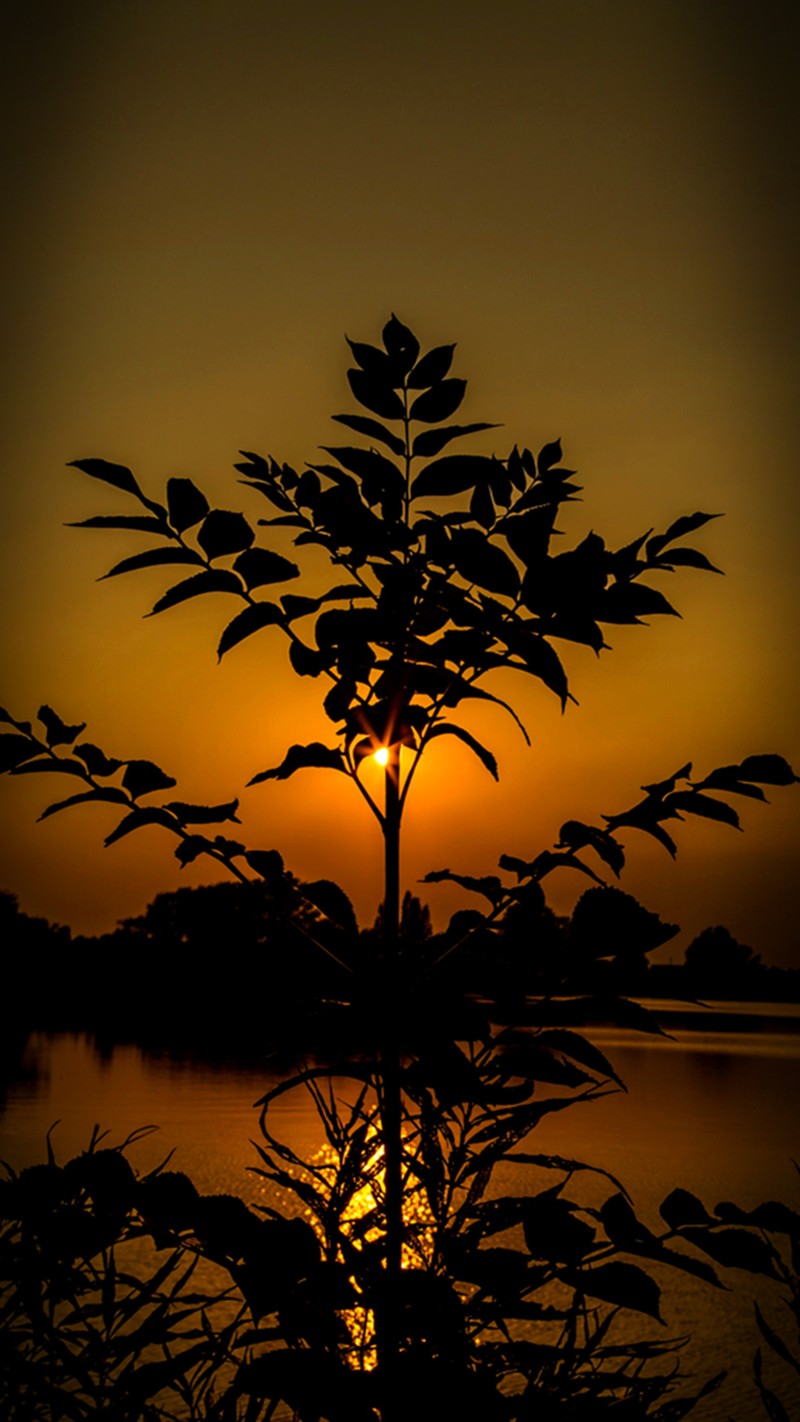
x,y
419,1283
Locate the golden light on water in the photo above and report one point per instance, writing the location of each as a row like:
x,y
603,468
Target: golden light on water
x,y
362,1208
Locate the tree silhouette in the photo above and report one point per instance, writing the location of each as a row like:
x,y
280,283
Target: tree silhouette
x,y
716,962
444,572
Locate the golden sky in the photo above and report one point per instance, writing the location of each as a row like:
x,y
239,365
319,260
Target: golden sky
x,y
598,202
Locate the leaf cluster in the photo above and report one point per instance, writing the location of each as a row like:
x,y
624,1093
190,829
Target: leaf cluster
x,y
452,563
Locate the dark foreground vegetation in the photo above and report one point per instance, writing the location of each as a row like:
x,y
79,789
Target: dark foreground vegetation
x,y
392,1279
139,1298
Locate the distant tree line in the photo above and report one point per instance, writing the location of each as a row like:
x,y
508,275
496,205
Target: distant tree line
x,y
224,966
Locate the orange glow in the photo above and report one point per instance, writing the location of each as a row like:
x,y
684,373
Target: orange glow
x,y
184,323
382,755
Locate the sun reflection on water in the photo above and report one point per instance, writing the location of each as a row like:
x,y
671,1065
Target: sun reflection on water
x,y
360,1222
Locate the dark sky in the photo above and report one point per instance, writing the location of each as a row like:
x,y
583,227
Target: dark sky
x,y
597,201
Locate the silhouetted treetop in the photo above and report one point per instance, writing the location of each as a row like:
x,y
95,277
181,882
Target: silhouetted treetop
x,y
437,594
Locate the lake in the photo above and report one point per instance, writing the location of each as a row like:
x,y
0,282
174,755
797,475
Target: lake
x,y
714,1110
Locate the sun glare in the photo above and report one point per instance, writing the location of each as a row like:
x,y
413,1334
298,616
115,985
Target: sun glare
x,y
382,755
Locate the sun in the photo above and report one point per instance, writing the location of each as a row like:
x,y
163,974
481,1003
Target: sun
x,y
382,755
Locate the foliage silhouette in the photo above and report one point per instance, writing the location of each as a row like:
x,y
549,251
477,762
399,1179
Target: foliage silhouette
x,y
422,1281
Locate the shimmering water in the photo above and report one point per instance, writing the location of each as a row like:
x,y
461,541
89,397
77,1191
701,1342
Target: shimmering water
x,y
712,1110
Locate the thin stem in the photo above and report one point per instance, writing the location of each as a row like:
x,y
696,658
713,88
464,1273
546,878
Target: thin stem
x,y
388,1318
352,771
408,457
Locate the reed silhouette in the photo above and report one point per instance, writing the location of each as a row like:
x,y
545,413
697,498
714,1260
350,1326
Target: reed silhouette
x,y
402,1280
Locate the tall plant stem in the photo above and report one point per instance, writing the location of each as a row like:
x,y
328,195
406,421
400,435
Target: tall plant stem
x,y
391,1113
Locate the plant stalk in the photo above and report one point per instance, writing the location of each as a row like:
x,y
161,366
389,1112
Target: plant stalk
x,y
388,1320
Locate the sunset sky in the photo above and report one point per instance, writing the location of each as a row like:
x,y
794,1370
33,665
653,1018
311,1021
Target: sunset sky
x,y
598,202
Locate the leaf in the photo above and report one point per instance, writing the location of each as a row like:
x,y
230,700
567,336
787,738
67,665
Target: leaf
x,y
373,361
259,566
334,903
453,474
370,467
576,835
726,777
438,403
118,475
662,787
457,690
771,1215
186,503
432,368
142,777
573,1045
348,627
528,534
228,848
734,1248
401,343
483,563
481,506
485,756
489,884
203,814
58,764
252,619
775,1341
137,819
543,662
553,1232
521,867
773,1406
658,832
534,1063
215,580
266,862
371,429
688,558
223,531
139,523
376,396
625,1285
153,1377
681,1207
549,454
430,442
306,661
315,755
686,524
108,794
626,602
767,770
585,1011
337,702
345,591
273,493
547,861
297,606
58,733
190,849
95,760
693,803
16,750
152,558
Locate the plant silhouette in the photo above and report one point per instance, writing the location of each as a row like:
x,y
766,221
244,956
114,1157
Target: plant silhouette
x,y
421,1283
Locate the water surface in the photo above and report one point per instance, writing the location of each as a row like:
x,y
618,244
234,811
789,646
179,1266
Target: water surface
x,y
713,1111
